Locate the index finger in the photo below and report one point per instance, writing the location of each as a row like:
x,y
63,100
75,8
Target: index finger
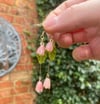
x,y
65,5
62,7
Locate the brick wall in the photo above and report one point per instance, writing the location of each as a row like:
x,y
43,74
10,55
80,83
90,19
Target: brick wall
x,y
16,87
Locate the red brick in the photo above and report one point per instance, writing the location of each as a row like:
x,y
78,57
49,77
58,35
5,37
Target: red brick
x,y
4,8
19,102
23,67
30,19
22,36
24,44
24,99
19,28
19,68
20,20
8,2
20,75
6,84
25,51
20,90
24,83
31,5
4,78
6,100
6,93
19,83
14,11
29,67
26,96
9,18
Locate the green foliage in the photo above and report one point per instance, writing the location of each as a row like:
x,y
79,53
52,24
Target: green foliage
x,y
45,6
72,82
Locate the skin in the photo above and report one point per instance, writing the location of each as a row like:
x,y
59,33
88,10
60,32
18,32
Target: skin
x,y
76,21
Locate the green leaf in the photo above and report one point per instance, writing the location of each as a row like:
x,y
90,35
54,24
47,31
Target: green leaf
x,y
59,101
33,55
88,85
27,32
82,86
41,59
81,79
52,54
29,47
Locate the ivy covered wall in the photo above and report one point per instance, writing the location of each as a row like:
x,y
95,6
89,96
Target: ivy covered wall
x,y
72,82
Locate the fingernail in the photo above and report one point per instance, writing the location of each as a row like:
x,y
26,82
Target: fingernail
x,y
76,56
80,55
50,22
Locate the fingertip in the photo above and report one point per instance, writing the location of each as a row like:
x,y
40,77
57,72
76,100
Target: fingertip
x,y
65,40
50,22
82,53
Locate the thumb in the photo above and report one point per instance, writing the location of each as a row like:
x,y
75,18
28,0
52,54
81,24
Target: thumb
x,y
74,18
89,51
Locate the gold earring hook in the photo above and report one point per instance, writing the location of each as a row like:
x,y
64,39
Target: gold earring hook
x,y
37,25
42,38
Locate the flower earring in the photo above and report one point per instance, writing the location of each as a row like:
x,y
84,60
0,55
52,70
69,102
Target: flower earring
x,y
47,82
39,86
51,49
41,56
42,53
49,46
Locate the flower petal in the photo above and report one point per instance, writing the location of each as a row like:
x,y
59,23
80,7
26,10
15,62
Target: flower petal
x,y
41,50
49,46
47,83
39,87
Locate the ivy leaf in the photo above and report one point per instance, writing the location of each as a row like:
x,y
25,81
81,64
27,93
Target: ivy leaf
x,y
29,47
52,54
27,32
82,86
41,59
88,85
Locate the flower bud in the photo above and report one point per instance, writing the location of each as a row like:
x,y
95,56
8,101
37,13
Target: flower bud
x,y
47,83
41,50
39,87
49,46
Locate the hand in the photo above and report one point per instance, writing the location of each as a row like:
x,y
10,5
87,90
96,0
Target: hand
x,y
76,21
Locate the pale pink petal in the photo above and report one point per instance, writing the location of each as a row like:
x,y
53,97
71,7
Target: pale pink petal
x,y
49,46
47,83
39,87
41,50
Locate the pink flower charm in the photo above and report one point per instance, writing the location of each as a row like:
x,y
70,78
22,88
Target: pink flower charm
x,y
47,83
39,87
49,46
41,50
